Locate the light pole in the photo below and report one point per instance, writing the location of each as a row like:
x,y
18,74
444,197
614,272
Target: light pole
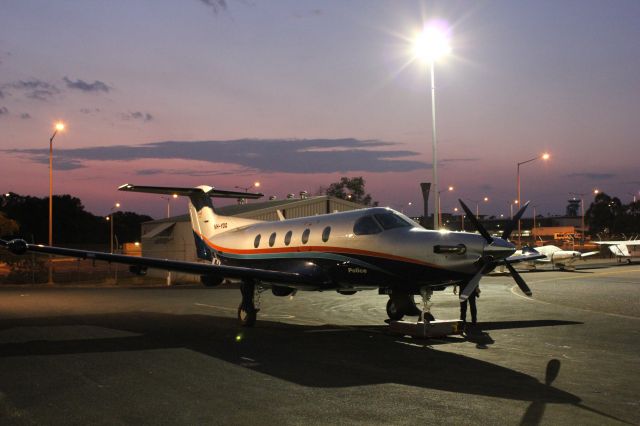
x,y
113,209
256,184
455,209
58,128
544,156
169,203
450,189
581,195
485,199
431,45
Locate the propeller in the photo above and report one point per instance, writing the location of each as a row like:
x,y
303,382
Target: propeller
x,y
511,225
500,248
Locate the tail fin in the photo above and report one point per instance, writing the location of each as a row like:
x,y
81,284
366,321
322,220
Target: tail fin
x,y
204,220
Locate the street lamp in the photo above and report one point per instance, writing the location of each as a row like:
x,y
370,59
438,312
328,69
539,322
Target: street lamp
x,y
429,46
544,156
59,126
484,199
581,195
111,219
255,184
450,189
169,203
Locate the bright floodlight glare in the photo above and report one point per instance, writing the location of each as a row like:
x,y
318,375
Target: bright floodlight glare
x,y
451,188
431,44
257,184
175,195
486,198
59,126
545,156
117,204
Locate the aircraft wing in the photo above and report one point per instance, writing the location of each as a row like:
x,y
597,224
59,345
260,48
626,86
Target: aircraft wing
x,y
223,271
525,257
617,243
589,253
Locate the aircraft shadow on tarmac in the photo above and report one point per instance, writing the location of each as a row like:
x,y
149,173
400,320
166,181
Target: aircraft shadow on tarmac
x,y
307,355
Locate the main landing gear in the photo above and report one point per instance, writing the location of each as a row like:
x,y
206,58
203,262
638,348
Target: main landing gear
x,y
247,311
401,304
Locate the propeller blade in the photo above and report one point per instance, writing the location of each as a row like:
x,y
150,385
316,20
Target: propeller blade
x,y
475,222
471,286
518,279
511,225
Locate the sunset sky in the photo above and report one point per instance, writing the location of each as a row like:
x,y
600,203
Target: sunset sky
x,y
296,94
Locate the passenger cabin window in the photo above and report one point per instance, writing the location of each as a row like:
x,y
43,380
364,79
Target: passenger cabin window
x,y
391,221
287,238
366,226
325,234
305,236
272,239
256,242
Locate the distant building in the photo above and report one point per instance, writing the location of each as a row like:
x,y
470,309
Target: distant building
x,y
172,238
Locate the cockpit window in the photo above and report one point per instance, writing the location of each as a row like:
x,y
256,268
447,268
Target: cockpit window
x,y
391,221
366,226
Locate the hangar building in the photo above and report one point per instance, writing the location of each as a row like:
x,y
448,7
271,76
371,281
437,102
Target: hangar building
x,y
172,238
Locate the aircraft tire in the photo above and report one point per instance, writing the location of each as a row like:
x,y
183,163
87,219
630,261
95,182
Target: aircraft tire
x,y
393,310
247,318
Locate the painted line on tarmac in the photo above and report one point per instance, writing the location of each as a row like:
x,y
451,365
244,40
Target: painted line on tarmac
x,y
571,307
594,275
223,308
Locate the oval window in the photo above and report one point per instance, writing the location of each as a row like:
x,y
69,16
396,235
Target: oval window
x,y
305,236
287,238
272,239
325,234
256,242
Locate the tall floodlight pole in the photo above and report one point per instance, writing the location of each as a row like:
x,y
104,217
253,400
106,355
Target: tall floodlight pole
x,y
430,45
544,156
58,128
113,209
581,195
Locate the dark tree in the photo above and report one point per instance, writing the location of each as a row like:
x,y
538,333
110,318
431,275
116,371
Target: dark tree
x,y
605,215
72,224
351,189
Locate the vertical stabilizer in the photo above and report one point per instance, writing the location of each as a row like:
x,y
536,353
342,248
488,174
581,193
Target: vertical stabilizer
x,y
205,222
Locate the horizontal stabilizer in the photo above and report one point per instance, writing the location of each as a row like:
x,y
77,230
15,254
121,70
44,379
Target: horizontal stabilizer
x,y
200,190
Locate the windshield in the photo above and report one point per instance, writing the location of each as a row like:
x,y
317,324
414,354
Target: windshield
x,y
391,221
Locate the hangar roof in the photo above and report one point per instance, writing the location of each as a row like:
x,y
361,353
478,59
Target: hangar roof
x,y
266,206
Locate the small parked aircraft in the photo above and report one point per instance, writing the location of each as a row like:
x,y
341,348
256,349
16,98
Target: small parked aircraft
x,y
620,248
346,252
563,259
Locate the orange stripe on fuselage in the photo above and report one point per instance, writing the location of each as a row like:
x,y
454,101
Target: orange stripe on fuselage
x,y
322,249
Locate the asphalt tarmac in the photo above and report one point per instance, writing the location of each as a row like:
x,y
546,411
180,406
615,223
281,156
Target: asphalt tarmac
x,y
570,355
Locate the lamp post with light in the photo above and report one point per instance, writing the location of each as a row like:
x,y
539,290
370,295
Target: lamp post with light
x,y
431,45
256,184
173,196
58,128
544,156
450,189
111,219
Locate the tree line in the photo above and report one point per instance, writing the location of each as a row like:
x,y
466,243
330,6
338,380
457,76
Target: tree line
x,y
609,216
27,217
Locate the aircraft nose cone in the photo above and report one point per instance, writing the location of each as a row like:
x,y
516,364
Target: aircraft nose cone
x,y
499,249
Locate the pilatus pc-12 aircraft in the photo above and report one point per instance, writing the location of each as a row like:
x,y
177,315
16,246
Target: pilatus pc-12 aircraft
x,y
346,252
